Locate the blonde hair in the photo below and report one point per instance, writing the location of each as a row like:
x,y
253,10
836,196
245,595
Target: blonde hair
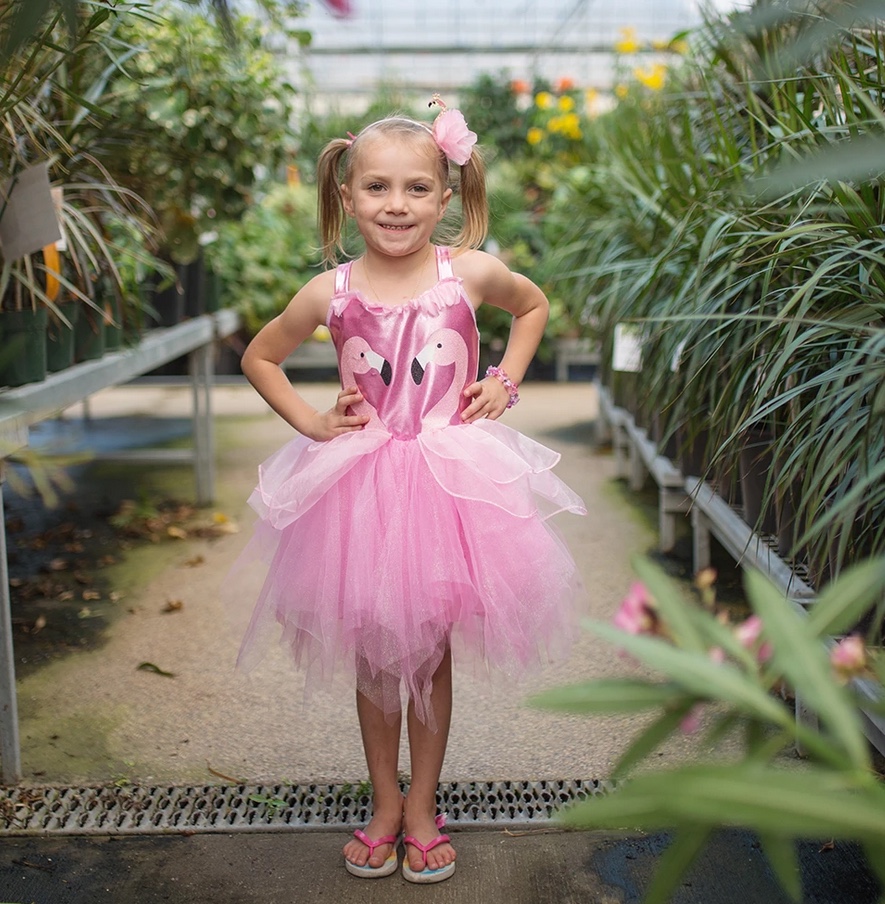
x,y
335,168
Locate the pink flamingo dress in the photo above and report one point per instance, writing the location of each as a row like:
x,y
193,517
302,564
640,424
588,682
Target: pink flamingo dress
x,y
388,544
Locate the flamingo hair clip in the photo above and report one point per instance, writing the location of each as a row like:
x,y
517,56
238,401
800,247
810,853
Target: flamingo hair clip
x,y
450,132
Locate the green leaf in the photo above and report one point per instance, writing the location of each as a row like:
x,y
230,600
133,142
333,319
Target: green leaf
x,y
784,860
802,659
697,673
840,605
650,739
809,802
606,695
675,862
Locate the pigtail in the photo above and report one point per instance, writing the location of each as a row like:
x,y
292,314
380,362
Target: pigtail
x,y
330,209
474,203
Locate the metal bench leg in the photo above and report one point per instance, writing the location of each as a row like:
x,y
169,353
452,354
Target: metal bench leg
x,y
666,521
10,747
637,469
700,539
204,441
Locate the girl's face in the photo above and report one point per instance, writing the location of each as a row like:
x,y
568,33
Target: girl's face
x,y
395,193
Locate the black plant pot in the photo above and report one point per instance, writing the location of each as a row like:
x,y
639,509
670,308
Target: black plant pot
x,y
89,335
167,304
22,346
60,338
756,462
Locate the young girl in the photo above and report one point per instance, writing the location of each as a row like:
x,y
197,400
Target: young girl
x,y
403,522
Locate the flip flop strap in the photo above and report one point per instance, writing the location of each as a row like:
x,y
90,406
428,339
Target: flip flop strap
x,y
426,848
371,845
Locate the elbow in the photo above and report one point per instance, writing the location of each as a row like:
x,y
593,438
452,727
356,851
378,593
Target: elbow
x,y
248,363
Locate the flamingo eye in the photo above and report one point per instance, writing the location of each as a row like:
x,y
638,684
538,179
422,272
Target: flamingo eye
x,y
439,344
362,354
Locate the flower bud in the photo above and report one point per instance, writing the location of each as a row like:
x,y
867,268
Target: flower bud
x,y
849,657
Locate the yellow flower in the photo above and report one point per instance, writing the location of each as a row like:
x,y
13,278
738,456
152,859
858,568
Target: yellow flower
x,y
653,77
544,100
660,44
680,47
534,135
621,91
628,42
566,103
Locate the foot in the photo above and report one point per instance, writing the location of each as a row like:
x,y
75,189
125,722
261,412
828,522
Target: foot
x,y
424,827
381,824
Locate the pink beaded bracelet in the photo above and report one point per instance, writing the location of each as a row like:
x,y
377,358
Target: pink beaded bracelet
x,y
501,375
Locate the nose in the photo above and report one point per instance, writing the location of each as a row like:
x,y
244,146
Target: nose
x,y
397,201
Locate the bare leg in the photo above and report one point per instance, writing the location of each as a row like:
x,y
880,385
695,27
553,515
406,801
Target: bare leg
x,y
428,749
381,744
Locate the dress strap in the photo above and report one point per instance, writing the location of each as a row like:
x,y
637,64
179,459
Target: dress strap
x,y
443,262
342,277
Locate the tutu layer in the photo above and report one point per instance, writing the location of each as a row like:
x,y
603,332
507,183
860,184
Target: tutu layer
x,y
382,551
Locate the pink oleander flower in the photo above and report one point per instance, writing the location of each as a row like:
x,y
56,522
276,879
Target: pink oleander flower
x,y
691,722
748,634
849,657
637,613
453,137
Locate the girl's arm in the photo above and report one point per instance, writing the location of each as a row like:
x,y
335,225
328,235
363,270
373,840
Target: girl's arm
x,y
489,281
275,342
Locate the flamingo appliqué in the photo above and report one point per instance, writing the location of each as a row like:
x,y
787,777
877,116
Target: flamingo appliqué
x,y
358,357
445,346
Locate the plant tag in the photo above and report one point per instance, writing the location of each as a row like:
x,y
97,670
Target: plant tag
x,y
58,200
627,353
677,356
28,222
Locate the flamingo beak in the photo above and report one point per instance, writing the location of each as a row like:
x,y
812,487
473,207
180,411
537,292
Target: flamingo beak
x,y
419,365
382,365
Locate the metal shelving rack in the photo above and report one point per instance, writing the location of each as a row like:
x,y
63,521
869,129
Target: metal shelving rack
x,y
27,405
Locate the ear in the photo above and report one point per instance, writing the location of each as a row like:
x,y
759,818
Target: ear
x,y
444,204
346,199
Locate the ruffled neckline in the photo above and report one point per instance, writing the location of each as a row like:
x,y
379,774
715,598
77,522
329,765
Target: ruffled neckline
x,y
434,299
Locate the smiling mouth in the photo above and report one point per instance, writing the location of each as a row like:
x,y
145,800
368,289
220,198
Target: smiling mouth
x,y
394,228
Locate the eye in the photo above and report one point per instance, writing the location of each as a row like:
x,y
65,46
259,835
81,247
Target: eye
x,y
362,354
421,189
439,344
375,186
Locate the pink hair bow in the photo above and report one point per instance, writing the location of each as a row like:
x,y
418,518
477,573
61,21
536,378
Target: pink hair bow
x,y
450,132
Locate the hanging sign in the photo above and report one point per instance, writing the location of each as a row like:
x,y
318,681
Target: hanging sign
x,y
28,220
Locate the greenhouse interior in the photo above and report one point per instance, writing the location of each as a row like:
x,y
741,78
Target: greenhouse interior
x,y
696,188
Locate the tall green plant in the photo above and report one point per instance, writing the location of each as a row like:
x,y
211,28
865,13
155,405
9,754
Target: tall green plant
x,y
758,281
203,120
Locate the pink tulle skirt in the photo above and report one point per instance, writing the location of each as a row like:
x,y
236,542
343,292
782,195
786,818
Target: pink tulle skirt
x,y
383,552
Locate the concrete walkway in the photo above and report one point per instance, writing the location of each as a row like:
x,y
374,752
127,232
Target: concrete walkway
x,y
93,717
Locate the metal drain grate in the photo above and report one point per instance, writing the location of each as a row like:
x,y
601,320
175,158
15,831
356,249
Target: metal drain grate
x,y
242,808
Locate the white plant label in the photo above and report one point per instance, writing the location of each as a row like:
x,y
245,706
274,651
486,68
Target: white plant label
x,y
627,354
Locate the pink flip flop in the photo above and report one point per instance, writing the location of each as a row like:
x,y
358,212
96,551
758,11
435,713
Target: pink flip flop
x,y
374,872
427,876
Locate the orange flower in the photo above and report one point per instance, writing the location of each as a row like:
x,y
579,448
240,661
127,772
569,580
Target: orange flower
x,y
520,86
564,84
